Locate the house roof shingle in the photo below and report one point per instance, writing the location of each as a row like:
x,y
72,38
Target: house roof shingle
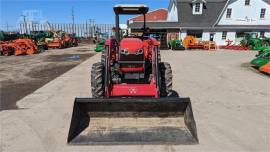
x,y
267,1
207,20
155,25
211,11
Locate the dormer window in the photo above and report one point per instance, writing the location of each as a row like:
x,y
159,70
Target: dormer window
x,y
197,8
247,2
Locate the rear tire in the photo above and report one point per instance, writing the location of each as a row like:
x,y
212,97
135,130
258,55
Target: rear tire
x,y
159,56
103,57
169,46
97,80
166,79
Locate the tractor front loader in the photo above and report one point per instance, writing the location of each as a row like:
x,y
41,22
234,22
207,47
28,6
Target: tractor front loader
x,y
133,101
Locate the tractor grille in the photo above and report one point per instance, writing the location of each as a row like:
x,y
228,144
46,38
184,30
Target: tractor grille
x,y
131,57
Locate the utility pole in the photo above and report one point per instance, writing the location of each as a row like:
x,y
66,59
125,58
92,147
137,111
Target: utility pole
x,y
25,24
92,27
7,26
72,15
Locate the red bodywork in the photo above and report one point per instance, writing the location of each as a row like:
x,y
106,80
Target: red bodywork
x,y
229,46
196,46
132,45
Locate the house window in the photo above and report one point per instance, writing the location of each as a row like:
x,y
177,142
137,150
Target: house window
x,y
262,15
229,13
262,34
247,2
197,7
224,35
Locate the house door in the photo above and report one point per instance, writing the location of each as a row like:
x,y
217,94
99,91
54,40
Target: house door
x,y
212,36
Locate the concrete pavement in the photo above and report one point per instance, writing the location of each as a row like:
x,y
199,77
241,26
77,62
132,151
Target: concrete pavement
x,y
230,103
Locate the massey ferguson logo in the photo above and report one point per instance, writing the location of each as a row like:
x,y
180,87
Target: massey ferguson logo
x,y
132,90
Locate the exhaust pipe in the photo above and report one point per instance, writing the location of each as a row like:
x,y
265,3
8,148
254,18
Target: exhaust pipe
x,y
131,110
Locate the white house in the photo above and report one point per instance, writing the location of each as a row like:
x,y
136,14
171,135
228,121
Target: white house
x,y
218,20
243,16
222,20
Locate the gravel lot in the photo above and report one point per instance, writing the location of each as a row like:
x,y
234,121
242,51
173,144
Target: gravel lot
x,y
230,101
22,75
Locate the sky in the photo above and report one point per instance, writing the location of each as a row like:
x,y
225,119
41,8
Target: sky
x,y
59,11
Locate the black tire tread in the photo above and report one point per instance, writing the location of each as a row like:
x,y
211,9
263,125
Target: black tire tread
x,y
166,79
97,80
103,57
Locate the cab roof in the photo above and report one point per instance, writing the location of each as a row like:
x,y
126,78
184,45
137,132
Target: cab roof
x,y
130,9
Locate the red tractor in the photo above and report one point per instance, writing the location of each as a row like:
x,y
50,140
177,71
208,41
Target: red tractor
x,y
130,79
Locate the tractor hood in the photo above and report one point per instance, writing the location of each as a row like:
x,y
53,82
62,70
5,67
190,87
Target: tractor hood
x,y
131,45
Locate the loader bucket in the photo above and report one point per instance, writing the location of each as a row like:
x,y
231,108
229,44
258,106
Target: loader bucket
x,y
132,121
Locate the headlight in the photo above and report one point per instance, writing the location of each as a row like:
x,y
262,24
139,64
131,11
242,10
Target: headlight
x,y
139,52
124,51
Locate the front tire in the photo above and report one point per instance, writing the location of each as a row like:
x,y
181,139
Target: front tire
x,y
165,79
97,80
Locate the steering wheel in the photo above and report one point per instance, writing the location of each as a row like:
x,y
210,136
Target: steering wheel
x,y
132,35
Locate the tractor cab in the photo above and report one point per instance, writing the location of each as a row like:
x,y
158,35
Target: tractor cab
x,y
133,51
129,10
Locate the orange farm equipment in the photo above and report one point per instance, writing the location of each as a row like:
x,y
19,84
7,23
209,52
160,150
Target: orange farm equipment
x,y
56,40
209,45
56,43
18,47
70,40
190,42
265,68
12,44
61,40
28,45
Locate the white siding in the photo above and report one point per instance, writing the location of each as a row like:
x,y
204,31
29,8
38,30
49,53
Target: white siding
x,y
267,34
246,15
183,34
173,13
218,38
206,36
